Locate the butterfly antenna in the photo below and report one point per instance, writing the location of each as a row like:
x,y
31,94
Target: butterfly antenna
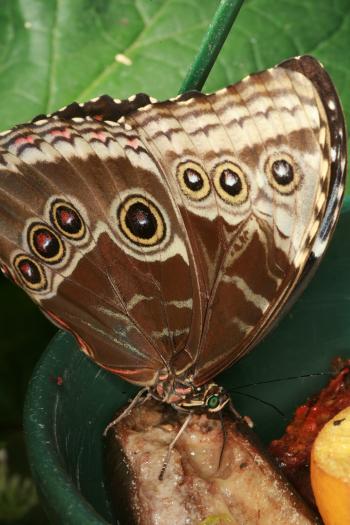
x,y
280,379
171,446
128,409
267,403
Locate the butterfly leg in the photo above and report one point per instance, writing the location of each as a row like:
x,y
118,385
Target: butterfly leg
x,y
224,436
172,444
128,409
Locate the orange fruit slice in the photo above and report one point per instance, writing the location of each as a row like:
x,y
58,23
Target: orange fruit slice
x,y
330,470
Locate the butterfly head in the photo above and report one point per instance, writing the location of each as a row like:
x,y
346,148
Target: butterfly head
x,y
215,397
185,396
209,397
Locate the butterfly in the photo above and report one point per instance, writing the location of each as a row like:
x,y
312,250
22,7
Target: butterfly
x,y
169,237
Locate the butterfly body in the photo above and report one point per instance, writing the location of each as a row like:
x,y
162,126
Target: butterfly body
x,y
168,237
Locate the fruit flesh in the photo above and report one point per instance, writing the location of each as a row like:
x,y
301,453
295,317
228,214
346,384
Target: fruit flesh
x,y
204,483
330,470
292,451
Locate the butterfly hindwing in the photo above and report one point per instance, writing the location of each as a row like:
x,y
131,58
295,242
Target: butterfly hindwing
x,y
117,294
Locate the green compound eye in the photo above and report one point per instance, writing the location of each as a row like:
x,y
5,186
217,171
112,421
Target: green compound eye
x,y
213,402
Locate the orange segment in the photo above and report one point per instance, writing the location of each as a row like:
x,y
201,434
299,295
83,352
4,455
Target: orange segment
x,y
330,470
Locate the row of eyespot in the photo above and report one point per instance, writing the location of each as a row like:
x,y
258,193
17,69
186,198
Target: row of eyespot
x,y
230,181
47,245
140,221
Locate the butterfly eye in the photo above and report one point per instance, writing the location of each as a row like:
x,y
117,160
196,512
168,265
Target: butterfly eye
x,y
141,221
44,243
282,173
231,183
68,221
30,273
193,180
213,402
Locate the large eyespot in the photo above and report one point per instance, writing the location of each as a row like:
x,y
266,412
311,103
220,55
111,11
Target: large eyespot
x,y
30,272
193,180
141,221
282,173
45,243
67,220
231,183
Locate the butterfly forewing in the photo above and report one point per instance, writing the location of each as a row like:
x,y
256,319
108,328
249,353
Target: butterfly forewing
x,y
266,147
169,236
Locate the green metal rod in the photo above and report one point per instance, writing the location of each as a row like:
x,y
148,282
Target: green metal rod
x,y
212,42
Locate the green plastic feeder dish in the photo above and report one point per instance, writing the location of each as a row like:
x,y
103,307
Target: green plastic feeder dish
x,y
70,399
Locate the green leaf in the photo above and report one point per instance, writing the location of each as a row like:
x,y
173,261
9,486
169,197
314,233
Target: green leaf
x,y
55,51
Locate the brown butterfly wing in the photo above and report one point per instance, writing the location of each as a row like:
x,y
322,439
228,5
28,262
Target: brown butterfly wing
x,y
251,246
101,108
222,263
119,298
